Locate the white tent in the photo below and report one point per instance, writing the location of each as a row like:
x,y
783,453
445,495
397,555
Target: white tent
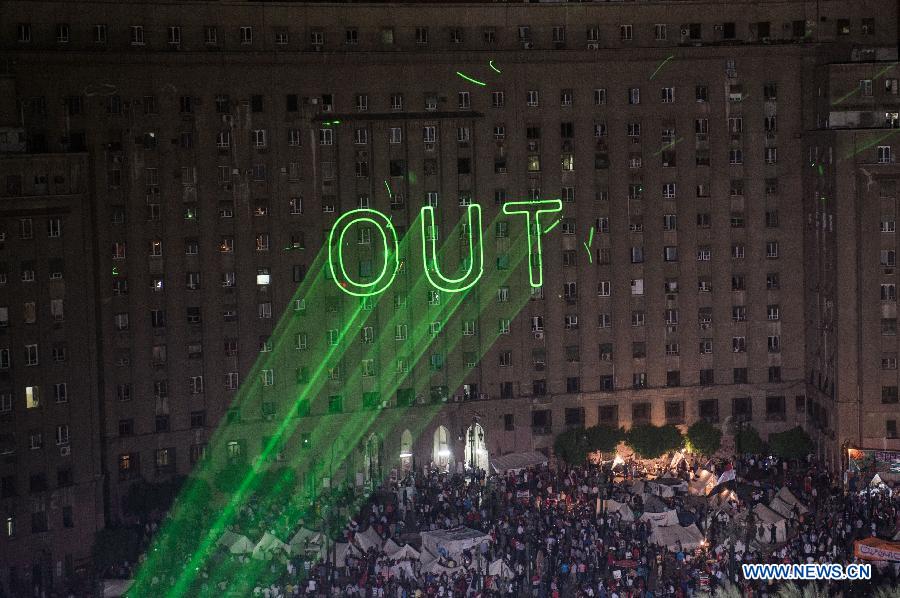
x,y
637,487
767,517
665,518
517,461
390,547
405,552
784,503
305,540
677,458
670,535
501,569
612,506
267,544
405,567
236,543
437,568
453,540
702,483
368,539
115,588
341,550
666,490
426,557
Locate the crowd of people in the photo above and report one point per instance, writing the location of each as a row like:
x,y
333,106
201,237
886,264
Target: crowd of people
x,y
551,529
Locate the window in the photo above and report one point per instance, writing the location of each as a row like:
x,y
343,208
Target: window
x,y
659,31
532,98
771,249
421,35
771,155
60,392
625,32
566,97
210,36
137,35
667,95
31,355
674,410
246,35
634,96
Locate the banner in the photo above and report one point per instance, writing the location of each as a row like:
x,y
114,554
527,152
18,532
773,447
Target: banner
x,y
874,549
873,461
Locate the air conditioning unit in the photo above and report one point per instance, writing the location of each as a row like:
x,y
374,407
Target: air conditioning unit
x,y
420,399
501,170
65,450
316,48
328,209
718,27
457,398
482,396
429,147
684,32
539,334
527,45
593,46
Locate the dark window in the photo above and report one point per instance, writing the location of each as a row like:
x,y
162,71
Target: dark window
x,y
463,166
729,31
673,378
575,417
126,427
405,397
8,486
162,423
890,428
762,29
39,522
608,415
198,419
335,404
573,384
640,413
64,478
509,422
774,373
606,383
541,422
800,403
889,394
371,400
674,412
506,390
398,168
539,387
256,103
292,103
775,409
742,409
707,377
709,410
67,517
740,375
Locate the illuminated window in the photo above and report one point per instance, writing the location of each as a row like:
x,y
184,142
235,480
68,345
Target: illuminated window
x,y
32,397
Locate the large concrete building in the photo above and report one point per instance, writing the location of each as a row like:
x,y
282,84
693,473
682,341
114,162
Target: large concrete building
x,y
729,157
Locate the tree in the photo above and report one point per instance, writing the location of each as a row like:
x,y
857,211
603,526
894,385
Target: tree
x,y
651,442
703,438
747,440
571,446
791,444
603,438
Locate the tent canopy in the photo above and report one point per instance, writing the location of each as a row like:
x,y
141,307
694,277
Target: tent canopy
x,y
236,543
653,504
269,543
405,552
517,461
668,517
767,517
500,569
369,539
454,541
305,540
670,536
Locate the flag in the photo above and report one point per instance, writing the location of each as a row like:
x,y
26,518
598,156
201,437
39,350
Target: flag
x,y
726,476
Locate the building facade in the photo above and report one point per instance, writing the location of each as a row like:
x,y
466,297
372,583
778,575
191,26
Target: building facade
x,y
214,147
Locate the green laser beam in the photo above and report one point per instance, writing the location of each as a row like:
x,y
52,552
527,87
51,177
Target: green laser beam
x,y
661,65
552,226
251,481
388,187
666,146
491,63
870,144
588,249
470,79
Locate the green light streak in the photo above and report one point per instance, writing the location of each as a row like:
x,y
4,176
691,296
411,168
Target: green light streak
x,y
661,65
328,432
871,144
336,253
388,187
588,249
666,146
475,259
470,79
552,226
496,70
